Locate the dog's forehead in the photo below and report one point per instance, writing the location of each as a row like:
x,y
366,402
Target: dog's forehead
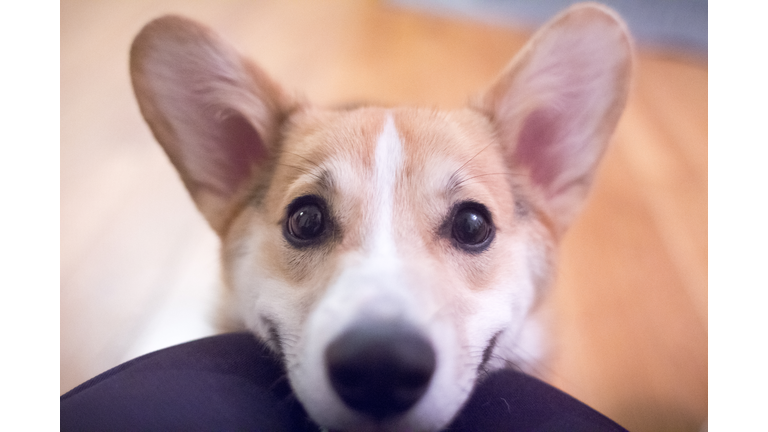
x,y
428,151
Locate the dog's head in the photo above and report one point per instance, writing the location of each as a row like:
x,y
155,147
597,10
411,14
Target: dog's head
x,y
390,256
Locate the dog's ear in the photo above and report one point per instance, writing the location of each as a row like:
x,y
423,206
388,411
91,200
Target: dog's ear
x,y
557,103
216,115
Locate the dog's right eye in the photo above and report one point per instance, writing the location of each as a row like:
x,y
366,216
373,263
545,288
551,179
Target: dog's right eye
x,y
471,227
306,222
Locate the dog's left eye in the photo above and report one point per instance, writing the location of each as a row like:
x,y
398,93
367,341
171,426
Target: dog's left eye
x,y
306,221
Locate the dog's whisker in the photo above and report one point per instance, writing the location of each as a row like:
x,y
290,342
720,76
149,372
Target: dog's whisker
x,y
458,170
465,181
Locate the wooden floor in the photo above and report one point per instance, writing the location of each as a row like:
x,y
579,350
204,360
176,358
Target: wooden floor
x,y
138,264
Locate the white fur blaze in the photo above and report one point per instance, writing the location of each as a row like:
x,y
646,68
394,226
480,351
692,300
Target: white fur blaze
x,y
389,159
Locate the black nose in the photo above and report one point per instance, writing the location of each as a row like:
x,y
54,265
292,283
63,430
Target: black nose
x,y
380,369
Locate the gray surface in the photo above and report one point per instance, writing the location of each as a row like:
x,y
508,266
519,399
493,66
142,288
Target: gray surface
x,y
675,25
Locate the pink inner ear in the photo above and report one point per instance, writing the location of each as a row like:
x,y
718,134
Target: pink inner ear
x,y
241,148
537,146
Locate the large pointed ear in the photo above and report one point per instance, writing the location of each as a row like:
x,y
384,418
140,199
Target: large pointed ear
x,y
216,115
557,103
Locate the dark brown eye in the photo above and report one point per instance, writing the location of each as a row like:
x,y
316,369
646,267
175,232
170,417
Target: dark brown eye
x,y
306,222
472,229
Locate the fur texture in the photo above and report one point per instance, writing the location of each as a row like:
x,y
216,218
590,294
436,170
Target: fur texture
x,y
388,185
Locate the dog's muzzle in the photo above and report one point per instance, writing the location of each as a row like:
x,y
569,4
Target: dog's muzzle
x,y
380,369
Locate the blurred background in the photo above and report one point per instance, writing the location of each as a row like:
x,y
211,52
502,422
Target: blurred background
x,y
139,265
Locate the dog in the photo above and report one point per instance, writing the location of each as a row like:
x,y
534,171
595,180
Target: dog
x,y
390,256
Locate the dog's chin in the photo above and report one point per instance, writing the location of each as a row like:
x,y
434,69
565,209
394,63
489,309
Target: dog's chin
x,y
393,425
333,415
436,408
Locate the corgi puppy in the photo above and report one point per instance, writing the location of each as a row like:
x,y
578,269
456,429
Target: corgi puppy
x,y
390,256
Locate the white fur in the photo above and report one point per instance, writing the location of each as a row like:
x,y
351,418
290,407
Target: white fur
x,y
389,160
372,285
375,282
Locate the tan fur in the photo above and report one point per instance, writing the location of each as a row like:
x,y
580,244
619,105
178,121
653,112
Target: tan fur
x,y
526,150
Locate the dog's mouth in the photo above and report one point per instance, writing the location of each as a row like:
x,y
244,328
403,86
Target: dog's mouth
x,y
274,339
488,352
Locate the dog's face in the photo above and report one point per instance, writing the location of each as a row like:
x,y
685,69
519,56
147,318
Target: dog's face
x,y
390,256
363,225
